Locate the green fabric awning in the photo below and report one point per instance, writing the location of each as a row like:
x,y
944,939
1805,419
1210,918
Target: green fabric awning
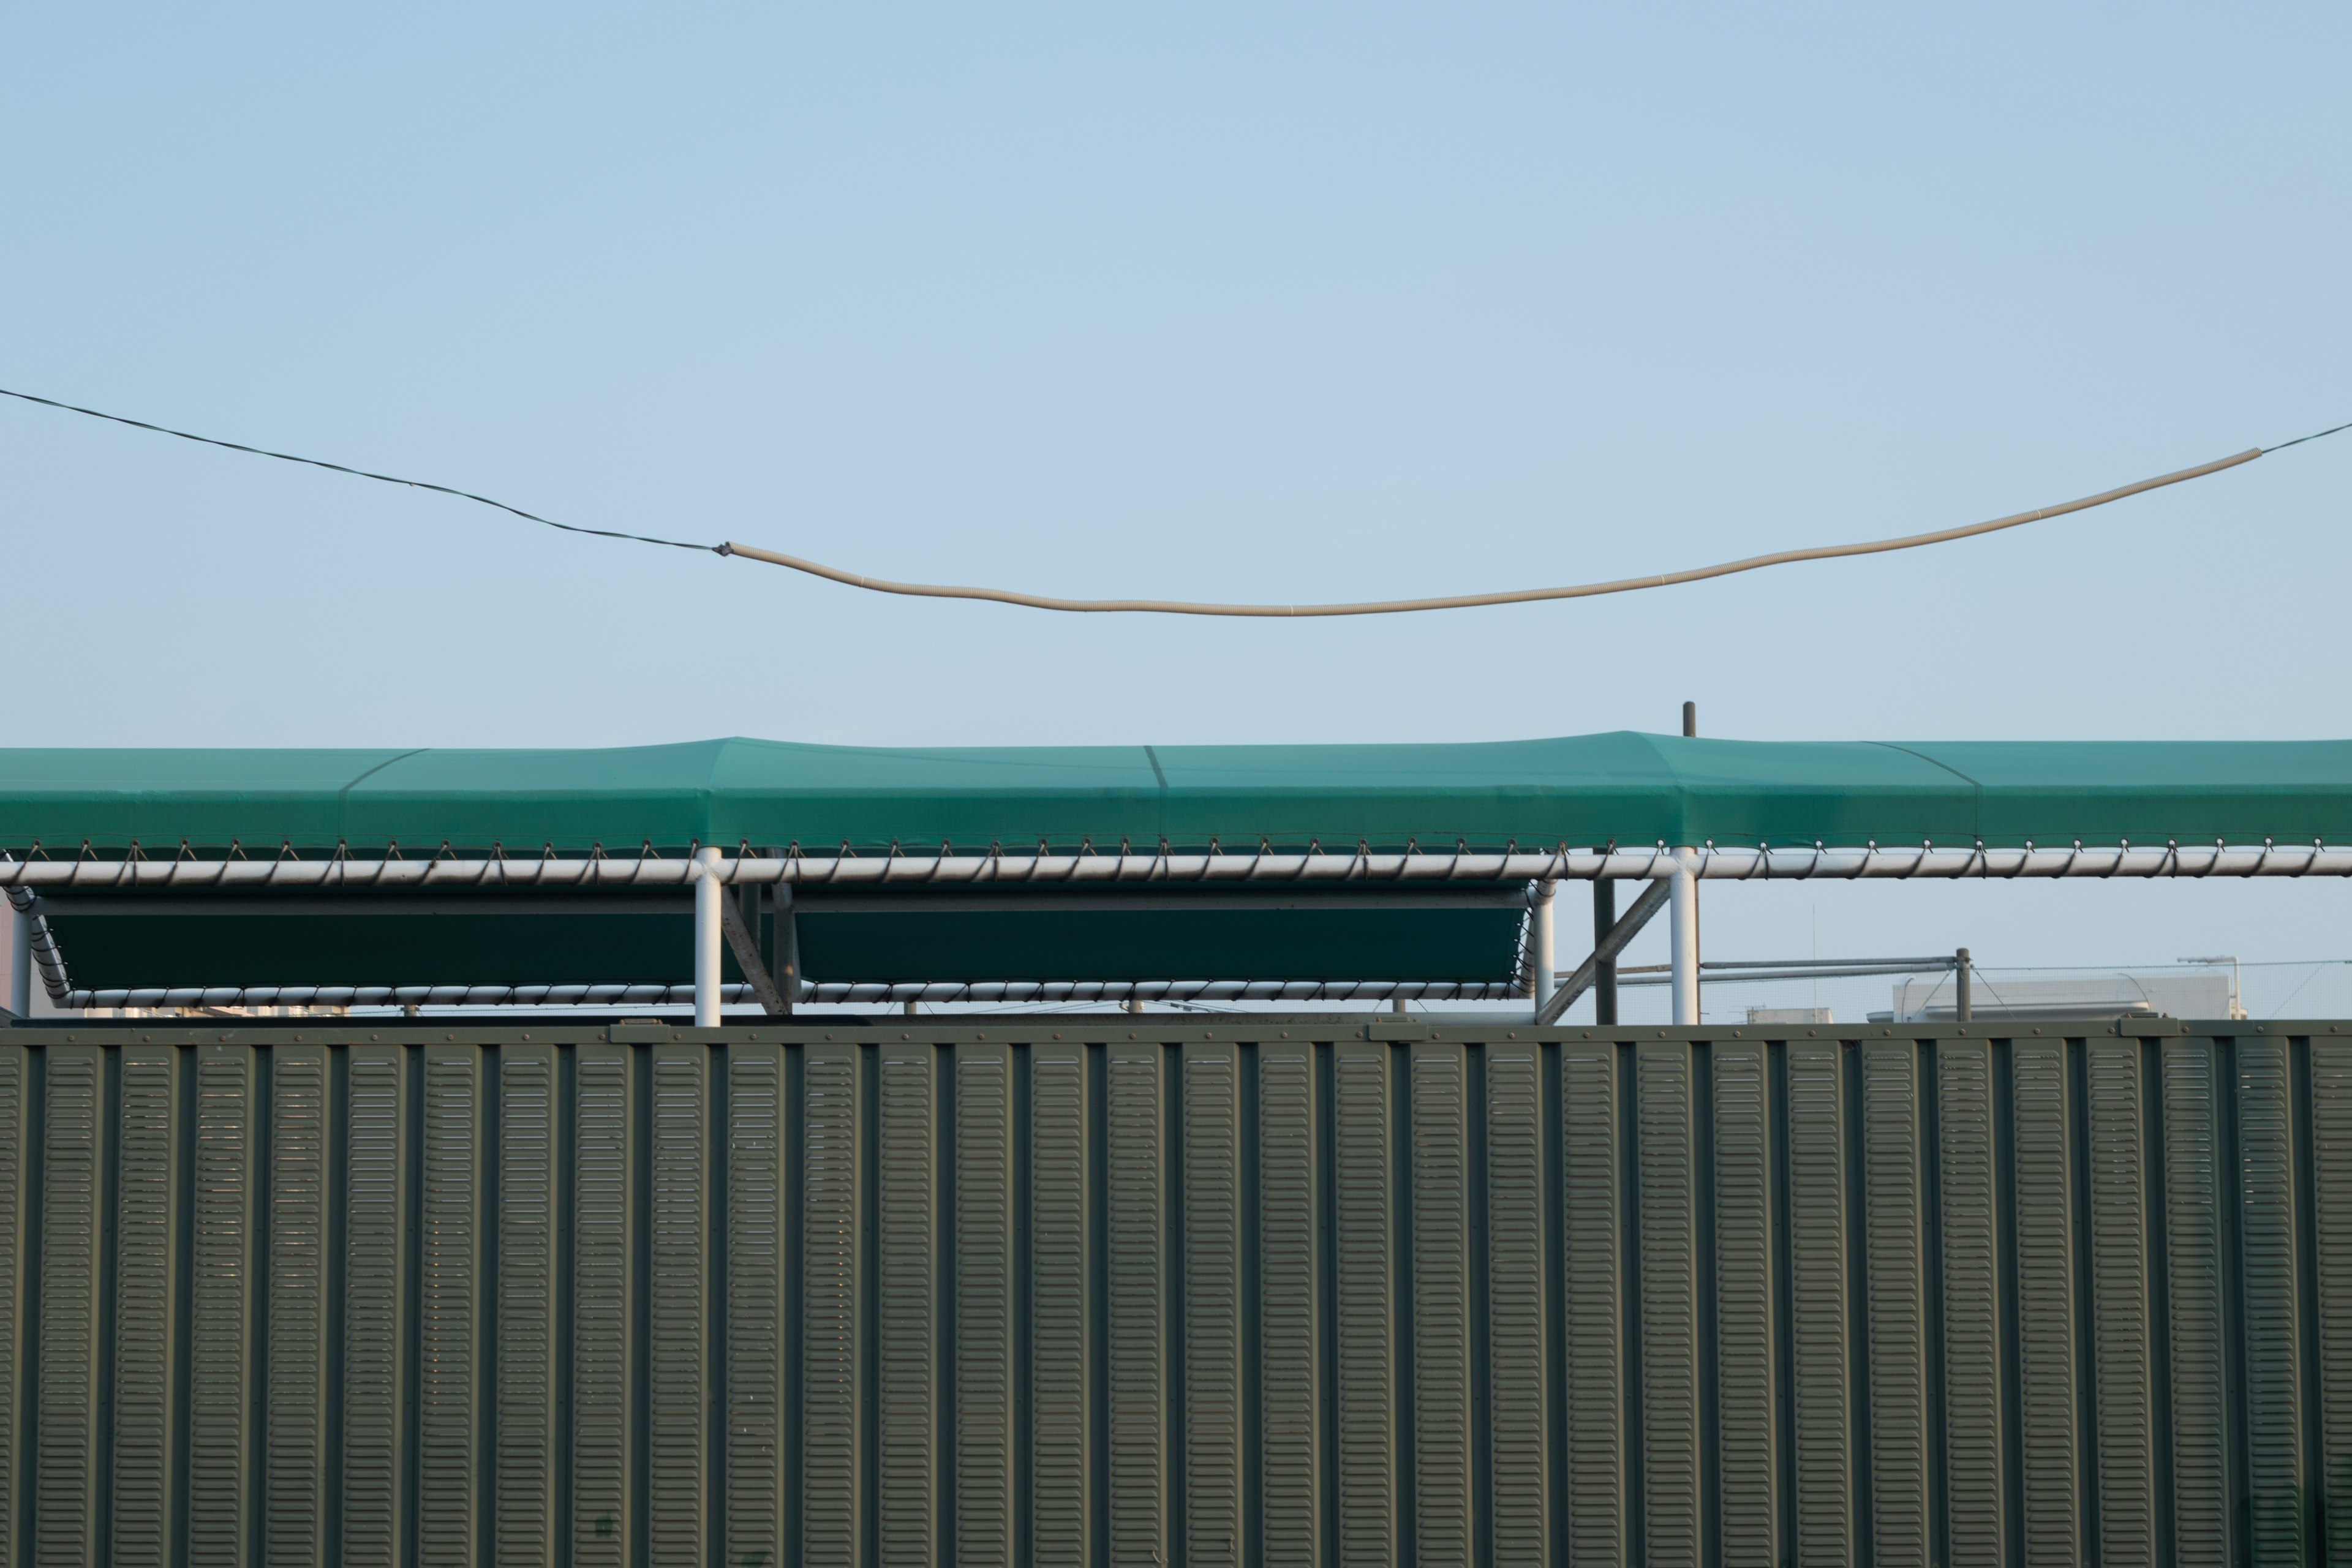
x,y
1632,788
375,943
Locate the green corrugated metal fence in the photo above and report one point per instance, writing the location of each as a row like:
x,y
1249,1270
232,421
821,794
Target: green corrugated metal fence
x,y
1054,1290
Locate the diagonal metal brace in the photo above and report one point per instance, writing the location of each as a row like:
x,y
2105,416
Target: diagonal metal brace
x,y
746,948
1629,925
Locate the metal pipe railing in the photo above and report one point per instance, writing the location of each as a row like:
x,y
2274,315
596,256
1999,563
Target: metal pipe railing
x,y
992,990
1715,863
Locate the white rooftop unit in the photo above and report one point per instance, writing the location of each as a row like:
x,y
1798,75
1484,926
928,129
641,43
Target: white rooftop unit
x,y
1790,1016
2116,994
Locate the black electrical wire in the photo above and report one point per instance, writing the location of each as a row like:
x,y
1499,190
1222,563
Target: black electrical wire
x,y
2314,435
1167,607
358,473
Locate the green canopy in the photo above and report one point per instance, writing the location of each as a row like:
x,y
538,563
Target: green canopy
x,y
1634,789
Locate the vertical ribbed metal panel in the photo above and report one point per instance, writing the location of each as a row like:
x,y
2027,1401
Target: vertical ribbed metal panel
x,y
1290,1472
1747,1416
1439,1247
2331,1155
1819,1374
67,1372
294,1420
679,1326
525,1461
148,1191
2045,1301
2194,1182
449,1268
1210,1208
1972,1303
2266,1230
1061,1435
15,1235
833,1232
376,1365
986,1296
220,1399
1591,1244
983,1304
1519,1474
603,1262
907,1343
1137,1291
756,1509
2123,1416
1364,1147
1665,1196
1893,1229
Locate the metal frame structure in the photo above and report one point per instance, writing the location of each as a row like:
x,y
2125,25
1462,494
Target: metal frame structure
x,y
709,872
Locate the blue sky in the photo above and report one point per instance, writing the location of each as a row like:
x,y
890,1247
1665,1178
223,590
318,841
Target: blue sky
x,y
1331,303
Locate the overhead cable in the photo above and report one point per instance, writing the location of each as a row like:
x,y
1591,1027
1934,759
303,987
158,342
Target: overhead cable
x,y
1191,607
357,473
1475,601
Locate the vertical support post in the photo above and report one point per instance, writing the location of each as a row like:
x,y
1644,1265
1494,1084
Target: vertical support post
x,y
1965,1011
1690,732
1604,975
707,894
1685,894
20,962
1541,978
786,966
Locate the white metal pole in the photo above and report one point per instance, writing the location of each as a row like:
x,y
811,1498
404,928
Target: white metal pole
x,y
1539,945
707,894
20,962
1685,894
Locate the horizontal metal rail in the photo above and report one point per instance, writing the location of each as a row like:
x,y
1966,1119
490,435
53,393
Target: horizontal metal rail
x,y
1715,863
988,991
1727,972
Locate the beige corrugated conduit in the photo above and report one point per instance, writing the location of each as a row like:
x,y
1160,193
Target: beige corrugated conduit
x,y
1474,601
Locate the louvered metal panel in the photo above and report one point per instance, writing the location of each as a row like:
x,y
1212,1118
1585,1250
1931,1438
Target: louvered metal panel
x,y
1210,1203
1439,1242
1519,1266
1229,1291
1666,1198
2048,1331
1290,1242
1821,1393
1747,1410
983,1201
1590,1269
147,1268
1973,1385
2270,1267
2123,1457
1063,1138
2195,1193
1897,1333
294,1427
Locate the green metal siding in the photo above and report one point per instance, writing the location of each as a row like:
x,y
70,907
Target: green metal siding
x,y
1245,1291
